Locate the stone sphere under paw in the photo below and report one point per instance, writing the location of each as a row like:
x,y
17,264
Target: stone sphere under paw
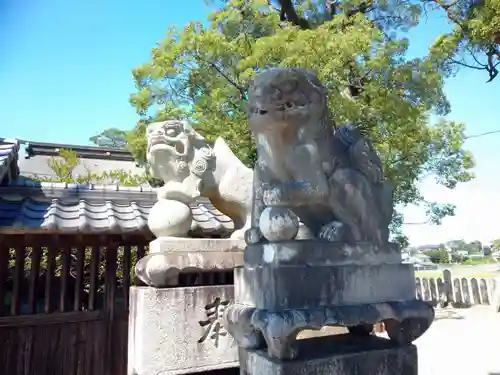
x,y
170,218
278,224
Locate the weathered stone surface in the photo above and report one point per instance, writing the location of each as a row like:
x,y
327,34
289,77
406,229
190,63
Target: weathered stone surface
x,y
189,245
179,330
332,179
290,287
254,328
320,253
189,167
170,218
278,224
170,256
336,355
286,287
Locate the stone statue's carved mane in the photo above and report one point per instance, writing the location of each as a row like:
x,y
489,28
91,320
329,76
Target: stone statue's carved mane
x,y
194,155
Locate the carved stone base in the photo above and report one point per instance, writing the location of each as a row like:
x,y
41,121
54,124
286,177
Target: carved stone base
x,y
253,328
339,355
176,331
286,287
170,256
309,274
300,287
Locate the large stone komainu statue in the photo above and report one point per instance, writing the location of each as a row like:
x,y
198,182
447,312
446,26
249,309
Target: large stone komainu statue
x,y
346,273
332,180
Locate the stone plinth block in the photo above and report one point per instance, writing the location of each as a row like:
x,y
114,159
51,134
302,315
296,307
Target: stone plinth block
x,y
169,256
179,330
336,355
312,252
276,288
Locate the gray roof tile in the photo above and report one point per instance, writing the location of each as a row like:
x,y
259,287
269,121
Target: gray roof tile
x,y
23,213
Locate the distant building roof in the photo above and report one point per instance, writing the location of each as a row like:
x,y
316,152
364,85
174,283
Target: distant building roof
x,y
38,155
87,152
31,206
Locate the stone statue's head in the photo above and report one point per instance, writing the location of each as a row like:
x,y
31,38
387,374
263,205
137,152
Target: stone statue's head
x,y
176,150
283,97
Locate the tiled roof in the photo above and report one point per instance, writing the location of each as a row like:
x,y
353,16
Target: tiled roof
x,y
27,215
207,220
8,155
65,190
30,206
90,209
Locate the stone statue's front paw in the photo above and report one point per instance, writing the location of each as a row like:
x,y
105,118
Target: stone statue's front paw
x,y
253,236
272,196
333,232
239,234
178,191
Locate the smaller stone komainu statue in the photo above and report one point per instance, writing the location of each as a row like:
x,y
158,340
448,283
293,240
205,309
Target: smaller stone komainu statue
x,y
190,168
331,179
346,273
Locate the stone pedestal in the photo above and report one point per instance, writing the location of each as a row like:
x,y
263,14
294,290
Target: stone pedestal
x,y
336,355
290,286
179,330
169,256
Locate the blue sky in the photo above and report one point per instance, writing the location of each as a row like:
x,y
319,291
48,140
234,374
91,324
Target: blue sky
x,y
65,75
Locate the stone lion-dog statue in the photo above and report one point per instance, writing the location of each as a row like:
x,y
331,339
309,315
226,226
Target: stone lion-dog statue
x,y
190,168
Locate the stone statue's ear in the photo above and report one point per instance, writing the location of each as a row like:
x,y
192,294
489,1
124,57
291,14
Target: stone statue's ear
x,y
197,136
314,80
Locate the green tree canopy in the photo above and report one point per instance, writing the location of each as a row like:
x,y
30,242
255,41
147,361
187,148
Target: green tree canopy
x,y
496,244
474,41
111,138
358,49
438,255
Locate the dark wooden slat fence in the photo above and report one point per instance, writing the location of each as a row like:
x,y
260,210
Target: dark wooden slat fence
x,y
64,303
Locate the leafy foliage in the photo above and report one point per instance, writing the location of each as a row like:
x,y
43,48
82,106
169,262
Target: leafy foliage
x,y
496,244
68,160
200,73
110,138
474,41
438,256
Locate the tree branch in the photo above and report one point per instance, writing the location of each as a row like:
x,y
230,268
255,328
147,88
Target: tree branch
x,y
240,89
288,11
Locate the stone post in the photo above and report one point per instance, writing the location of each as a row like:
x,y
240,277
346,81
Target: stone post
x,y
175,321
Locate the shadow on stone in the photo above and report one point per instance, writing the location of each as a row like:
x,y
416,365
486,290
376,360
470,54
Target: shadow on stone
x,y
341,354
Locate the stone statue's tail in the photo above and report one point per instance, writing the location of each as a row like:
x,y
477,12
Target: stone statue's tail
x,y
363,216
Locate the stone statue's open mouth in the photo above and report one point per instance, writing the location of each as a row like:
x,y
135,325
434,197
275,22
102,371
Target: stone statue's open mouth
x,y
175,146
279,107
155,141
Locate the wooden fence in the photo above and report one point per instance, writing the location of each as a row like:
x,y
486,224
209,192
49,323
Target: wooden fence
x,y
64,304
456,291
